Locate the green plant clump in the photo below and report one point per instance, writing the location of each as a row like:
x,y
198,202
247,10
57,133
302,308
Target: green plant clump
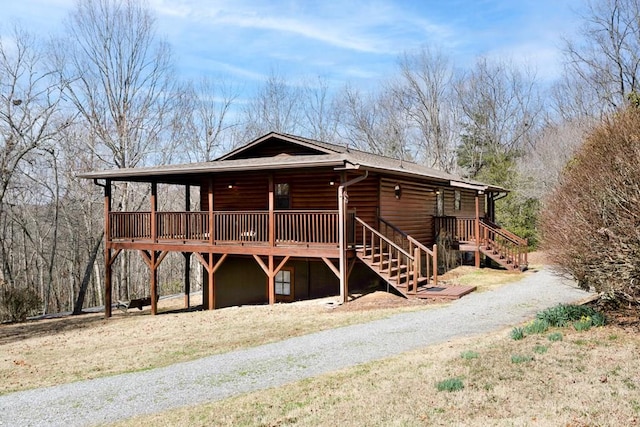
x,y
555,336
467,355
540,349
516,358
564,315
517,334
451,384
537,326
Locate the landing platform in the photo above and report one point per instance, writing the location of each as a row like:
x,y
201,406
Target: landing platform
x,y
445,292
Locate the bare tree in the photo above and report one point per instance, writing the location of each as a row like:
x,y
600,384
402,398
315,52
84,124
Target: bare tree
x,y
275,107
553,147
426,91
376,123
202,119
605,59
119,77
501,110
320,111
29,105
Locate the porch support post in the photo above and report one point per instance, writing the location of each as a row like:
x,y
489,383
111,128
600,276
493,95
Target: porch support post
x,y
477,229
211,219
272,282
272,222
342,264
153,266
211,300
107,249
187,279
154,208
187,255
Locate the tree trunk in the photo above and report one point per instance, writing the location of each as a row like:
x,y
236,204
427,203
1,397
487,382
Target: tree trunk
x,y
77,308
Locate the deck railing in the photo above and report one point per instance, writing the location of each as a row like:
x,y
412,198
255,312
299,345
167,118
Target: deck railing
x,y
130,225
505,244
182,225
307,227
458,228
290,227
241,226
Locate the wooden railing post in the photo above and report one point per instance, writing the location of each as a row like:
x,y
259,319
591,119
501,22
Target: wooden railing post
x,y
435,265
154,208
417,267
272,221
212,222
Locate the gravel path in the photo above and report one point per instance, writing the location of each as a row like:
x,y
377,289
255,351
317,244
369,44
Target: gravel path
x,y
217,377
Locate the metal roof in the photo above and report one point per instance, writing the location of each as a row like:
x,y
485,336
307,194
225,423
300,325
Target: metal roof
x,y
335,156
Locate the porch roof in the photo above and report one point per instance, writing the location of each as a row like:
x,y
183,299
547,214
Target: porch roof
x,y
335,156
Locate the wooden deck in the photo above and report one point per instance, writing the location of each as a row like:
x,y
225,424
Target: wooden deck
x,y
445,292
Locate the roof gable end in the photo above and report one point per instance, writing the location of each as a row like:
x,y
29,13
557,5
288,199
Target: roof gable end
x,y
277,144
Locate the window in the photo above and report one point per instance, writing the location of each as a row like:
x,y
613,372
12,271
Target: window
x,y
282,196
284,285
456,200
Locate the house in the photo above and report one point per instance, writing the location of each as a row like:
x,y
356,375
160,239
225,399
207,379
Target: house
x,y
285,217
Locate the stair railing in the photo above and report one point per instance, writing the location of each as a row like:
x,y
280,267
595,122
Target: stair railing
x,y
508,245
379,246
419,251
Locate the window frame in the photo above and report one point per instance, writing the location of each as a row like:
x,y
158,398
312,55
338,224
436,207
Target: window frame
x,y
282,199
457,200
280,296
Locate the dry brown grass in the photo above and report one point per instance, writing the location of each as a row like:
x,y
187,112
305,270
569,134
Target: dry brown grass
x,y
588,378
57,351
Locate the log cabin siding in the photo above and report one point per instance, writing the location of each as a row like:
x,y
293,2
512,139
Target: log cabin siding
x,y
364,198
467,203
311,189
250,192
413,211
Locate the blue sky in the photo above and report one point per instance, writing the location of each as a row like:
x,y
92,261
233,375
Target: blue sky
x,y
343,41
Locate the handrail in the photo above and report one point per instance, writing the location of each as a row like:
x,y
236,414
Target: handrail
x,y
393,227
512,238
385,238
515,250
420,245
413,253
505,233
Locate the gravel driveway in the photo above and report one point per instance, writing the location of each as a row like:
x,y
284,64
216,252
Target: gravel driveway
x,y
217,377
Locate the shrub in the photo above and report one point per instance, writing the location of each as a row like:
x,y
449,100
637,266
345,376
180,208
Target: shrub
x,y
589,221
451,384
17,303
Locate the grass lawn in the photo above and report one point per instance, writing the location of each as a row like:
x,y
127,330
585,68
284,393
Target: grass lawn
x,y
584,379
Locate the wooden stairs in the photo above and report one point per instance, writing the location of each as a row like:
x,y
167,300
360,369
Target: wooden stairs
x,y
405,264
502,246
